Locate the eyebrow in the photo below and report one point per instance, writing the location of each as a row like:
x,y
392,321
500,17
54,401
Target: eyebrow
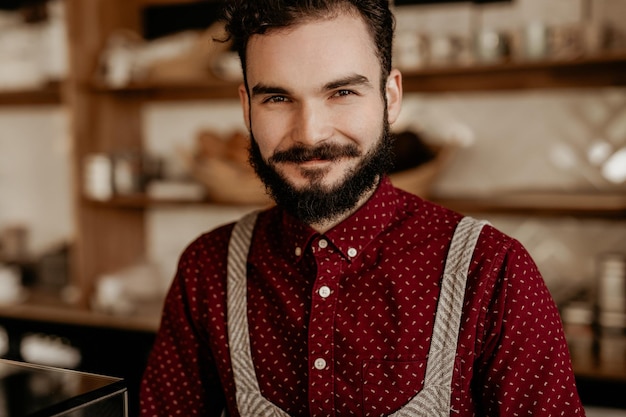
x,y
261,89
349,81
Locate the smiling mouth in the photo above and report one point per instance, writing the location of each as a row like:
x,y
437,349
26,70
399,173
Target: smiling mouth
x,y
316,161
303,155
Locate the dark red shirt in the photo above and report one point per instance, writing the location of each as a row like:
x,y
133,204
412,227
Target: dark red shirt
x,y
341,323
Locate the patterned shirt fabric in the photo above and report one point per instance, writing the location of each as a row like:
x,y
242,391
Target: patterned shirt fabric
x,y
341,322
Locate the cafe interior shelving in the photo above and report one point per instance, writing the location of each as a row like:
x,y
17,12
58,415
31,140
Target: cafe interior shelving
x,y
111,235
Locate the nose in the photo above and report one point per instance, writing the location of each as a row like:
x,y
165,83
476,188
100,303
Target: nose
x,y
313,124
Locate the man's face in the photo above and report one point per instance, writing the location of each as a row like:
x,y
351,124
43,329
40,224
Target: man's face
x,y
315,107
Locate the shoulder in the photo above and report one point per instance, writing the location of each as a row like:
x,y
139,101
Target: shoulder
x,y
437,220
506,282
501,262
505,254
212,246
209,244
424,213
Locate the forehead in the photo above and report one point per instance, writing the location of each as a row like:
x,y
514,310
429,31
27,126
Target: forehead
x,y
313,51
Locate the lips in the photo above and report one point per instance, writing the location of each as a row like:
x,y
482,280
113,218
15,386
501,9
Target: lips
x,y
322,153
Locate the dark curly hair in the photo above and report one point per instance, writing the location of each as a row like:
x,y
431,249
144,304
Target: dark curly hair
x,y
244,18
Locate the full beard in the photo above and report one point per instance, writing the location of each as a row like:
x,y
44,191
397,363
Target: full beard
x,y
317,203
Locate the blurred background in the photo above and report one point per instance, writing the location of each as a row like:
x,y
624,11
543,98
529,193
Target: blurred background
x,y
121,140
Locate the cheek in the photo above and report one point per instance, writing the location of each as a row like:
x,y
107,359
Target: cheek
x,y
363,126
268,133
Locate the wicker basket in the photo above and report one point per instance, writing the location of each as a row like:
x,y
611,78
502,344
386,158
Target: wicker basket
x,y
229,182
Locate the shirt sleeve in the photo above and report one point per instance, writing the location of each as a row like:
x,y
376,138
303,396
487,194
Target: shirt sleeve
x,y
181,378
525,367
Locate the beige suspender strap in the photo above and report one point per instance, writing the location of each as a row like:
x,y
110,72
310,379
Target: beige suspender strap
x,y
250,402
434,399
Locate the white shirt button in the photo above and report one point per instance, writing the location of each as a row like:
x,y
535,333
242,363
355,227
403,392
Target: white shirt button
x,y
319,364
323,243
324,291
298,251
352,252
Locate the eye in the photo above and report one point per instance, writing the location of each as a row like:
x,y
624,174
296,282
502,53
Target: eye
x,y
344,93
275,99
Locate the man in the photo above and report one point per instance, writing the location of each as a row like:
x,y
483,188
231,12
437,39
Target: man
x,y
335,302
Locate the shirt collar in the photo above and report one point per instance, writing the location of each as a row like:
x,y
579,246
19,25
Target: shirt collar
x,y
352,235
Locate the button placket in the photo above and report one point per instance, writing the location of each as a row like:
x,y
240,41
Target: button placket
x,y
321,327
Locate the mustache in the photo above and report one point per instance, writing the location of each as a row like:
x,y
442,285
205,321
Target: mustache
x,y
327,152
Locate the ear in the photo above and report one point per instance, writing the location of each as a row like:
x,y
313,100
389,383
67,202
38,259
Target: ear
x,y
245,104
393,92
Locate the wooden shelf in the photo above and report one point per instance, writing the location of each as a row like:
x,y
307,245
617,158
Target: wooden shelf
x,y
199,90
578,204
47,95
599,71
538,203
141,202
613,372
41,308
48,308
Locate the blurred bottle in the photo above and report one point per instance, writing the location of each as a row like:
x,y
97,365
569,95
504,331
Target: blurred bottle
x,y
611,301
